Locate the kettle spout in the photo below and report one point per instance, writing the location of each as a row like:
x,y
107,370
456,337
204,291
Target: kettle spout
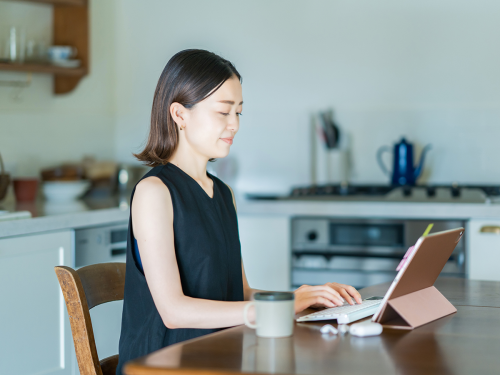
x,y
420,166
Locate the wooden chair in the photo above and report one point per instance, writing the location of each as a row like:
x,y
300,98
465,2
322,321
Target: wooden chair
x,y
84,289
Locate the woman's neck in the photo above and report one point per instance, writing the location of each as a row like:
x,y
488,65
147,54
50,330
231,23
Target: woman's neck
x,y
191,163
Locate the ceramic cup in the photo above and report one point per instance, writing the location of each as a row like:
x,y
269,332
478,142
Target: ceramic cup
x,y
57,53
274,314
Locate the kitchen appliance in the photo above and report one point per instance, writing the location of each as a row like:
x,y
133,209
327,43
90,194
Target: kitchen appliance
x,y
453,193
360,252
403,172
101,244
129,175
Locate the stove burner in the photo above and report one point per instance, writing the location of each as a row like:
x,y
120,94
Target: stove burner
x,y
343,190
436,193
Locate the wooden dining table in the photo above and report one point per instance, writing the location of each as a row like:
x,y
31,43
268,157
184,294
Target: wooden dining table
x,y
466,342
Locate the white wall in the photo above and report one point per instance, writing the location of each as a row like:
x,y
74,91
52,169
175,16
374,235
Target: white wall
x,y
40,129
428,70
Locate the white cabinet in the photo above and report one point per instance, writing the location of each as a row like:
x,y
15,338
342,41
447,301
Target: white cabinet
x,y
483,256
265,247
35,335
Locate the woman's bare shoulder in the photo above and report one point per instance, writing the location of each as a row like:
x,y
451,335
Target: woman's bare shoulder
x,y
151,184
151,190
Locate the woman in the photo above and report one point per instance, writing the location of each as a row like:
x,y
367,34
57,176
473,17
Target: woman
x,y
185,277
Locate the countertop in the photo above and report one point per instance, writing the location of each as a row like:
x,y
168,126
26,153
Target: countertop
x,y
52,216
396,210
48,216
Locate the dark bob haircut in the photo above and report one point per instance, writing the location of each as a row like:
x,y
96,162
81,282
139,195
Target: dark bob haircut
x,y
189,77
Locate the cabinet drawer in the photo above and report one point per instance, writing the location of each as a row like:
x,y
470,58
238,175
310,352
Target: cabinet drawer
x,y
484,249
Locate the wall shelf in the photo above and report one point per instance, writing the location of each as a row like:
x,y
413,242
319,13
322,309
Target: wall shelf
x,y
43,68
70,28
59,2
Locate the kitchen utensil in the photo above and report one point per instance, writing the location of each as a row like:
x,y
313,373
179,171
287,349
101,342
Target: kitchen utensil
x,y
332,133
404,172
4,180
25,189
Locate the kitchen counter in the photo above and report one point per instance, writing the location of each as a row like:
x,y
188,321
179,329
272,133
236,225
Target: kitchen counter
x,y
49,216
358,209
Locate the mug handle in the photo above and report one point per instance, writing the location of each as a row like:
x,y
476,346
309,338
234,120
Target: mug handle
x,y
245,315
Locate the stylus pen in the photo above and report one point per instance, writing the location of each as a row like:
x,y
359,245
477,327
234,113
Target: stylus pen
x,y
411,248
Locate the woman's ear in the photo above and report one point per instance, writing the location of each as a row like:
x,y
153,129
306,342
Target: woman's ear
x,y
178,113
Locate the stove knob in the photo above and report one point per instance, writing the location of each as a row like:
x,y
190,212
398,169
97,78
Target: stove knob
x,y
455,190
407,191
312,235
431,191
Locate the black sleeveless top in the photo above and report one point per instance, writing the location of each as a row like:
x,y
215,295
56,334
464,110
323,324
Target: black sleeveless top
x,y
208,254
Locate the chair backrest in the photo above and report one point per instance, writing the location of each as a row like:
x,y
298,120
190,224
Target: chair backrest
x,y
84,289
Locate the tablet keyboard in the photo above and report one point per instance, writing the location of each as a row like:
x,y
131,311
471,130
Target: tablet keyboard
x,y
344,314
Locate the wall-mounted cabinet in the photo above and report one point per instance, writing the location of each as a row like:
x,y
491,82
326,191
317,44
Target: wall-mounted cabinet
x,y
71,27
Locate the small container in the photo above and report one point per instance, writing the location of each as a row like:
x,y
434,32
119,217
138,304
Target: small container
x,y
25,189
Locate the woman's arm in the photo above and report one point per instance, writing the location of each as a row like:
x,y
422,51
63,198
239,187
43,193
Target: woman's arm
x,y
152,218
329,295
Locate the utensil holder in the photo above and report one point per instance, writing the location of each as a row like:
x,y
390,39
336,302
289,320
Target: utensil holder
x,y
336,164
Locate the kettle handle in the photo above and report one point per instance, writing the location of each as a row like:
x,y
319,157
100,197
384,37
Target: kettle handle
x,y
381,164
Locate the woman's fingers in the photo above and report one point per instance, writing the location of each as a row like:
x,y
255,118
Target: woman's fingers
x,y
347,289
346,295
307,301
329,293
320,300
353,292
325,293
328,289
317,296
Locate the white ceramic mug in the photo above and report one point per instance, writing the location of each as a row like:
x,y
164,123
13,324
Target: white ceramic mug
x,y
274,314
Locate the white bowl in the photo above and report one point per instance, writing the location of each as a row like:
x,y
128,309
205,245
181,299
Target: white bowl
x,y
64,191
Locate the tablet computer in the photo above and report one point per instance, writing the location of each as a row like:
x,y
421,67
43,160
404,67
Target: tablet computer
x,y
412,300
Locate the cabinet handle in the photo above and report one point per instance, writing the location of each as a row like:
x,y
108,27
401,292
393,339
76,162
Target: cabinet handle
x,y
490,229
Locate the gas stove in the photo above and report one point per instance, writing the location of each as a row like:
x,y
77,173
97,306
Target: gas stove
x,y
383,193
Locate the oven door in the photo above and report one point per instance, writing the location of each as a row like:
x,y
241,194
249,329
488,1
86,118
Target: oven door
x,y
359,252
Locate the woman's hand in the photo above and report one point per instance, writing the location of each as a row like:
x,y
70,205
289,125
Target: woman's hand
x,y
327,295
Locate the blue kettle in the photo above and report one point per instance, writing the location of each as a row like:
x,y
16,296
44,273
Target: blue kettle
x,y
404,172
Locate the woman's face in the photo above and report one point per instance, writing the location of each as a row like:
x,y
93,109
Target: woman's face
x,y
211,124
